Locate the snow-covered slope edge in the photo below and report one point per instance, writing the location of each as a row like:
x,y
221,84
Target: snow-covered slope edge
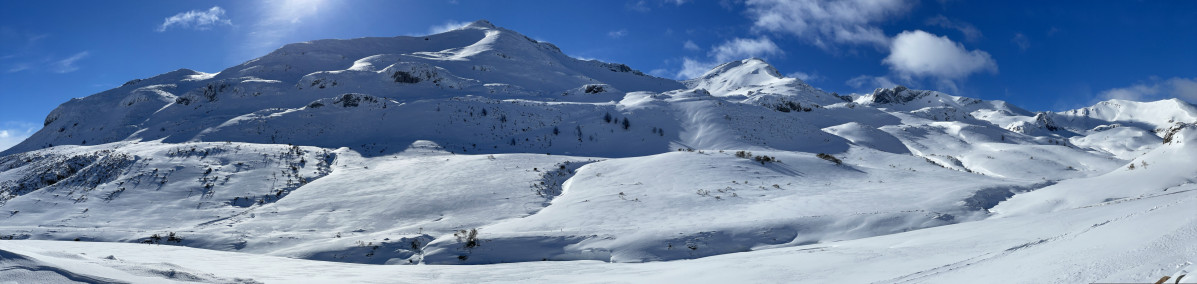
x,y
1138,241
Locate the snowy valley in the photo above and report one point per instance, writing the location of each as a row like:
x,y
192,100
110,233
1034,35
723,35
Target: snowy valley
x,y
480,154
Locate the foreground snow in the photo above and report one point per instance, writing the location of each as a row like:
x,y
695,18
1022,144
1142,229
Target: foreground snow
x,y
1134,241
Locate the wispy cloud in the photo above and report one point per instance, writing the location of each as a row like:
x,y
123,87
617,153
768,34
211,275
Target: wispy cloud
x,y
642,6
1155,89
20,50
638,6
18,67
741,48
197,19
447,26
54,64
692,68
970,32
805,77
689,45
1022,41
67,65
870,82
826,23
617,34
13,132
660,72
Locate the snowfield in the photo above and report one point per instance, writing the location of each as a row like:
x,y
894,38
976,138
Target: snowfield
x,y
481,155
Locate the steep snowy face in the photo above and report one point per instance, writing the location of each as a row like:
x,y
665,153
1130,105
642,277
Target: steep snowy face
x,y
1149,115
755,81
895,95
479,51
1041,124
902,98
735,75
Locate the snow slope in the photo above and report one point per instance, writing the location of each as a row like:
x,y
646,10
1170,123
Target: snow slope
x,y
1104,244
482,146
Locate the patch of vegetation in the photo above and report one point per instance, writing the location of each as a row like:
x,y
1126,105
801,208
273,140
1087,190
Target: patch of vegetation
x,y
830,158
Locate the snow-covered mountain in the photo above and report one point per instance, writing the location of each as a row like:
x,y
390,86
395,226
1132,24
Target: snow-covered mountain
x,y
480,146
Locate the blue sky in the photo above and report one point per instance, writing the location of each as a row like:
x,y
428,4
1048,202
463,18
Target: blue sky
x,y
1041,55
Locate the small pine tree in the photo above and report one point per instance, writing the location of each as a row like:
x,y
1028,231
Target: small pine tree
x,y
626,125
607,118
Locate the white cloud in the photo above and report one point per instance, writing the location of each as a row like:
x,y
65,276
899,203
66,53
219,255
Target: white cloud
x,y
693,68
27,56
638,6
1022,41
447,26
918,53
689,45
659,72
735,49
642,6
1156,89
18,67
741,48
49,63
825,22
12,133
1052,31
970,32
617,34
805,77
67,65
197,19
1185,89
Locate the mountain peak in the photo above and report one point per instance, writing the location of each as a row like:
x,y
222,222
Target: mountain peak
x,y
1157,114
896,95
748,66
480,24
737,75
